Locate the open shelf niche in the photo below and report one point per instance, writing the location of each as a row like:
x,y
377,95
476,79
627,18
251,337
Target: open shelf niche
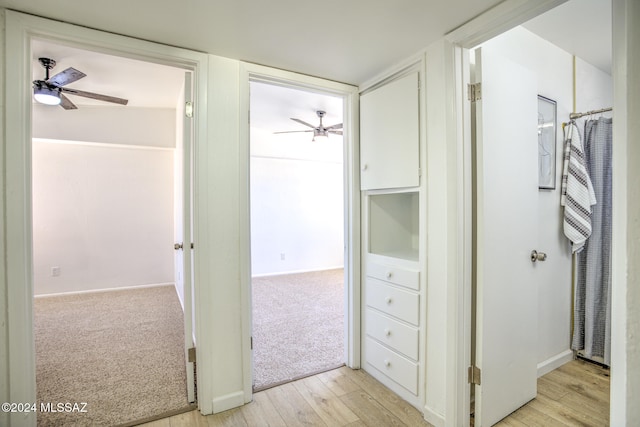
x,y
393,225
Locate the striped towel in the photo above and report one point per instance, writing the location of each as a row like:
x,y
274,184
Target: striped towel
x,y
577,191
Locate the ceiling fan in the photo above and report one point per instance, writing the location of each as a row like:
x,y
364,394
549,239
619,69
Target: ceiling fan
x,y
50,91
320,130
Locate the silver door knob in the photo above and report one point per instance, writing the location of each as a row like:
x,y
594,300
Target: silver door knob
x,y
177,246
538,256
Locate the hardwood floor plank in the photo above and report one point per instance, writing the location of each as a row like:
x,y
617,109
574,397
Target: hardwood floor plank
x,y
510,422
326,404
582,368
164,422
551,389
261,412
563,414
391,401
189,419
292,407
532,417
598,411
591,387
338,381
586,370
370,412
230,418
577,394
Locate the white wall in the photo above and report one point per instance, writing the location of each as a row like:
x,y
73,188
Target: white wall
x,y
554,69
111,124
594,88
297,214
102,212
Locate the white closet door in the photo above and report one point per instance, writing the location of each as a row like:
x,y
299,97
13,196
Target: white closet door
x,y
389,135
183,231
507,194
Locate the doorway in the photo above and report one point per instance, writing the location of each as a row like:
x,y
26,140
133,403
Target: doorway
x,y
563,85
297,195
103,184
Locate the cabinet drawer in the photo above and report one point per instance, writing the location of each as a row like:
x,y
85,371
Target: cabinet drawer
x,y
392,333
391,300
396,367
393,274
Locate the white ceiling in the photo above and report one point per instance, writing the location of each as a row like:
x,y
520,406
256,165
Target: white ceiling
x,y
580,27
272,108
345,41
348,41
144,84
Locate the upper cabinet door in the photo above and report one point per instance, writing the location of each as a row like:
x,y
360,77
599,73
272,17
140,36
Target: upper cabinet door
x,y
390,136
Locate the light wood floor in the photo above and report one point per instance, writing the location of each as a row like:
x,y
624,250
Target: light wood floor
x,y
576,394
342,397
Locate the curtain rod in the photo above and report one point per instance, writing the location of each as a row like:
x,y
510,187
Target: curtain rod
x,y
573,116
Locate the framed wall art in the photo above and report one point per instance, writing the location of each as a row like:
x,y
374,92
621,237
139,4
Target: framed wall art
x,y
546,143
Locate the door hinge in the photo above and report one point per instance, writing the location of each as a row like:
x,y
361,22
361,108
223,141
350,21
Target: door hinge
x,y
474,92
474,375
191,355
188,109
251,342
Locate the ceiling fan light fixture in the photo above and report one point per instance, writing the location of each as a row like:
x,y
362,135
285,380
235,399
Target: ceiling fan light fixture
x,y
320,135
45,95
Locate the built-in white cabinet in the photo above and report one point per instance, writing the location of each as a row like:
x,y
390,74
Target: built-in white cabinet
x,y
394,220
389,135
393,292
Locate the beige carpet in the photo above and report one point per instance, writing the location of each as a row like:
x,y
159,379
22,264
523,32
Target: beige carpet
x,y
121,352
298,326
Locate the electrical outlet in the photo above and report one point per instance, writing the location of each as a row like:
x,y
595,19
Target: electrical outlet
x,y
55,271
281,257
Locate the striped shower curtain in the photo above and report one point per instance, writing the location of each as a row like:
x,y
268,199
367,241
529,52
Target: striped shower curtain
x,y
592,310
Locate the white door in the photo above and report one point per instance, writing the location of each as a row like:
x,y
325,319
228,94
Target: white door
x,y
507,194
183,235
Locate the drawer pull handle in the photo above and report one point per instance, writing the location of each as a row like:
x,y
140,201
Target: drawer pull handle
x,y
389,274
387,363
389,300
387,332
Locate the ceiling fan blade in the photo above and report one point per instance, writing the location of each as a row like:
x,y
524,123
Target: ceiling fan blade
x,y
335,132
303,123
97,96
65,77
66,103
338,126
294,131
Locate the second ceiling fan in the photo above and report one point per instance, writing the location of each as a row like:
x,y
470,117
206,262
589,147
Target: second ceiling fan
x,y
319,130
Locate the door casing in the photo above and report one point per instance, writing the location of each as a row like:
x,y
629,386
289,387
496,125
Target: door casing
x,y
349,94
20,30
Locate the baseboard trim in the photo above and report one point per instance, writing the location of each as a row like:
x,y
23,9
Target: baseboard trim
x,y
228,401
554,362
91,291
433,418
282,273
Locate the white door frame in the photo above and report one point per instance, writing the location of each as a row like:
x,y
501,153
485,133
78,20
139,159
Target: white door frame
x,y
349,94
454,58
20,30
